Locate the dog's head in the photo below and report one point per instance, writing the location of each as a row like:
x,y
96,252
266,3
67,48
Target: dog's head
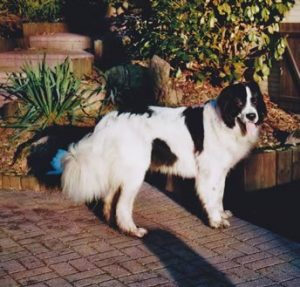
x,y
242,104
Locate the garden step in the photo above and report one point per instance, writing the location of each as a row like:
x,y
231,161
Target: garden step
x,y
60,41
81,61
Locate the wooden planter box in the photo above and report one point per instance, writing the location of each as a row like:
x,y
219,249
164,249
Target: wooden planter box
x,y
271,168
41,28
10,44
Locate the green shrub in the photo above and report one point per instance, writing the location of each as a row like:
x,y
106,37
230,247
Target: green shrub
x,y
41,11
46,96
34,10
215,39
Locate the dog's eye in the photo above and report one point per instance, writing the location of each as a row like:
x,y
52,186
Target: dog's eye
x,y
254,100
238,102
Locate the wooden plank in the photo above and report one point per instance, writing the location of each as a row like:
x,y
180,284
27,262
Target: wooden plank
x,y
284,166
40,28
260,171
290,28
29,183
296,163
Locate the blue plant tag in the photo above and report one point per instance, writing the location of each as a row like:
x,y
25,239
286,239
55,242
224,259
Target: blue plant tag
x,y
56,162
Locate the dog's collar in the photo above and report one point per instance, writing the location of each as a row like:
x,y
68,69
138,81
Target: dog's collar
x,y
213,103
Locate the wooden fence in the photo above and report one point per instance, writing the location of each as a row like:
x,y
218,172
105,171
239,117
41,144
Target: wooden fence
x,y
284,81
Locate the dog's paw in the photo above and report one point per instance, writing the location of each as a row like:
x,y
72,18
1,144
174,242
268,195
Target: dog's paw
x,y
223,223
138,232
226,214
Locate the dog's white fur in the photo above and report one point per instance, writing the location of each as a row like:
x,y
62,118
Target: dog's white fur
x,y
117,155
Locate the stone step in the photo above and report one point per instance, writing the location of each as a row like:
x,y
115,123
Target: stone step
x,y
81,61
60,41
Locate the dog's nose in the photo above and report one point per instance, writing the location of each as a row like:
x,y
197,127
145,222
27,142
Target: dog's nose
x,y
251,116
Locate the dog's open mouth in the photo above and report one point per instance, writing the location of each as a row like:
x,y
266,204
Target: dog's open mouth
x,y
248,127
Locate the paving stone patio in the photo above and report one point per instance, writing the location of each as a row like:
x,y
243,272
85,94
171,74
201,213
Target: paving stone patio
x,y
46,240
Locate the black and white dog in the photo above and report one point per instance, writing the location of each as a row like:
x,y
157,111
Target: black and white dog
x,y
202,142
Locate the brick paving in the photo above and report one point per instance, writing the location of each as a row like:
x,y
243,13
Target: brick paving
x,y
46,240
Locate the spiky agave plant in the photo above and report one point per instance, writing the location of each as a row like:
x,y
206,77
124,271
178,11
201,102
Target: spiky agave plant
x,y
46,96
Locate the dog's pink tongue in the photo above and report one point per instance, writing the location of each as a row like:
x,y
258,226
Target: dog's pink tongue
x,y
251,128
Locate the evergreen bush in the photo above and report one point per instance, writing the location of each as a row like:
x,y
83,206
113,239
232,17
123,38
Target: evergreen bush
x,y
215,39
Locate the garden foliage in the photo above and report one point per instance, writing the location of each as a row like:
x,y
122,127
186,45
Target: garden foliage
x,y
34,10
46,96
213,38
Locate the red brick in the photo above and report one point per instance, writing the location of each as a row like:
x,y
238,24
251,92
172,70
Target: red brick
x,y
112,283
269,245
54,244
149,282
12,266
31,262
7,281
85,274
37,285
101,246
81,264
12,256
252,257
110,261
99,279
105,255
63,268
228,252
292,283
31,273
138,277
36,248
58,282
116,271
7,243
264,263
245,248
84,250
134,252
226,265
37,278
62,258
261,282
243,272
133,266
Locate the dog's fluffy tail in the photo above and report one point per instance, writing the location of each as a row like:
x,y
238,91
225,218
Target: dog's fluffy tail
x,y
79,178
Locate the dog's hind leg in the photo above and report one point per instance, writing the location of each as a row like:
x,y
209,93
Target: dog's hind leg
x,y
124,208
109,204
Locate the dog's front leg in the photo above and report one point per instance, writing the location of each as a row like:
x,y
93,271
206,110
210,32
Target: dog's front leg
x,y
210,189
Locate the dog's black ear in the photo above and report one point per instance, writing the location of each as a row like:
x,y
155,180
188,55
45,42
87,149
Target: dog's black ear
x,y
261,106
225,102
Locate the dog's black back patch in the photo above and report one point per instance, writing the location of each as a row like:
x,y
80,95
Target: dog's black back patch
x,y
137,110
161,153
194,122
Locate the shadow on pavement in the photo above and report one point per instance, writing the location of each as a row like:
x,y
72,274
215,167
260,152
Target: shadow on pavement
x,y
276,209
180,263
